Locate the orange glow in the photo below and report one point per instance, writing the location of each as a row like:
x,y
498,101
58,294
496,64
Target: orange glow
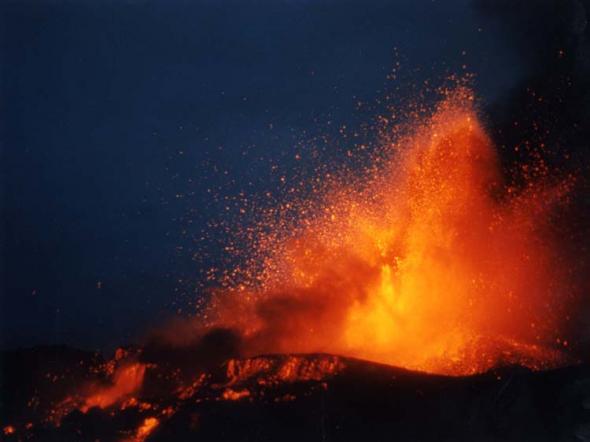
x,y
127,380
235,395
147,427
8,430
285,369
429,262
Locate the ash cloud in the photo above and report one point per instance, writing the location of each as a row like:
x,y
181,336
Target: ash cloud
x,y
550,105
181,346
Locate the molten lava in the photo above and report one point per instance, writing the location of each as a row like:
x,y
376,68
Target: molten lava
x,y
282,369
431,263
126,381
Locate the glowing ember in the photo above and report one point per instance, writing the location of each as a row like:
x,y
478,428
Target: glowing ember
x,y
282,369
431,263
8,430
235,395
148,425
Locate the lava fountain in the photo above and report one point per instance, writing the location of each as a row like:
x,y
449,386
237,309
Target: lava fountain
x,y
427,260
432,262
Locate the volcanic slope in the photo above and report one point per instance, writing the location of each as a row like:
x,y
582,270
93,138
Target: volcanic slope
x,y
60,394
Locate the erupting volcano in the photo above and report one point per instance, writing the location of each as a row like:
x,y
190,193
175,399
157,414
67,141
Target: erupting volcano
x,y
429,274
431,261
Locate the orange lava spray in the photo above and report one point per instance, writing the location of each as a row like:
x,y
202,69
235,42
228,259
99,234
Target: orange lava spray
x,y
430,262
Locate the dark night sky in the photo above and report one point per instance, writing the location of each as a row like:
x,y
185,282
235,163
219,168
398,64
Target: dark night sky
x,y
112,109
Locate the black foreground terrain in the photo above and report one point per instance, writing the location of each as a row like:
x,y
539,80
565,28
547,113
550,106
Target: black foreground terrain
x,y
286,398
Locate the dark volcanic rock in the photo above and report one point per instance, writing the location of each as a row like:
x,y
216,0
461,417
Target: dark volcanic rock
x,y
295,398
31,378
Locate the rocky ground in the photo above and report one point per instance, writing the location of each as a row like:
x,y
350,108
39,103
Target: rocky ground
x,y
61,394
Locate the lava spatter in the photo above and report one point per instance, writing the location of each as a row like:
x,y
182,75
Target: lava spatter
x,y
430,261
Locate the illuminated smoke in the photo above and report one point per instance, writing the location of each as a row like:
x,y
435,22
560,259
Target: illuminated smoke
x,y
429,261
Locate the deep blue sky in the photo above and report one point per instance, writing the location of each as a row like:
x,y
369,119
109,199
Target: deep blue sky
x,y
118,116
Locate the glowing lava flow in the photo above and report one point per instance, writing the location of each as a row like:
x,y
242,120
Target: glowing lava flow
x,y
433,263
126,380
